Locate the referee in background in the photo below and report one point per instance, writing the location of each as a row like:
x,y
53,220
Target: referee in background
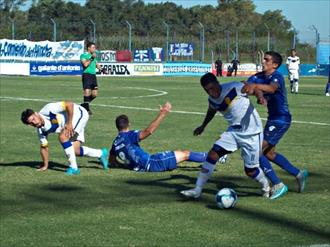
x,y
89,82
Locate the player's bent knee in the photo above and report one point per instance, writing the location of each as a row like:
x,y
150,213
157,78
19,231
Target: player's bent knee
x,y
62,138
251,172
270,155
181,155
220,151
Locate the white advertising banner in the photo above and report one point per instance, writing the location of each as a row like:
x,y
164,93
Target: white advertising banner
x,y
14,69
132,69
26,50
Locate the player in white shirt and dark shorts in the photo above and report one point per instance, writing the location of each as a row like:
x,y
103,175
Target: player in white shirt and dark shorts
x,y
69,121
244,132
293,63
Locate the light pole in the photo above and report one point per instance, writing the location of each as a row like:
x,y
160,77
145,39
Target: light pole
x,y
294,39
202,41
317,39
129,35
12,28
236,46
54,29
227,45
94,30
268,37
167,34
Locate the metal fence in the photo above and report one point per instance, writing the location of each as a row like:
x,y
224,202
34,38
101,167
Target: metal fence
x,y
209,44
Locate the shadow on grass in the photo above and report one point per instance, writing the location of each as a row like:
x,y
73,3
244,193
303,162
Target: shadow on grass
x,y
223,182
138,192
51,166
277,219
36,164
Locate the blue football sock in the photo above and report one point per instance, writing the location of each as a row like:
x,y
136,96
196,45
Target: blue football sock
x,y
281,161
268,170
327,88
197,157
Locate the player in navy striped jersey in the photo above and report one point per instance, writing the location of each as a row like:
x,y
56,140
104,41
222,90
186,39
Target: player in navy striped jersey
x,y
270,85
244,132
69,121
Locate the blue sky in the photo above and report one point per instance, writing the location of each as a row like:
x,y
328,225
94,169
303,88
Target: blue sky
x,y
301,13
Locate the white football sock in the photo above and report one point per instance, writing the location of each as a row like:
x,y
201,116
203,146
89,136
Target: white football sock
x,y
91,152
204,174
69,152
296,84
261,178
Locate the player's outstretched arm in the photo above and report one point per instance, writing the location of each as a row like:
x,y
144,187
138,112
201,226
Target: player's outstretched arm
x,y
163,111
44,155
209,116
250,88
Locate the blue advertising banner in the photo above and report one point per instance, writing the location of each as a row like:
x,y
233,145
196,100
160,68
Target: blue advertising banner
x,y
186,69
61,68
181,49
141,55
157,54
323,53
307,70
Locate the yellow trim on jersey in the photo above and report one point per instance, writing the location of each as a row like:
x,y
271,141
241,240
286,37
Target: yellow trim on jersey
x,y
58,119
229,102
63,105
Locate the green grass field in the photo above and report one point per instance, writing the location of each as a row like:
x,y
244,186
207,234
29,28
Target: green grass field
x,y
124,208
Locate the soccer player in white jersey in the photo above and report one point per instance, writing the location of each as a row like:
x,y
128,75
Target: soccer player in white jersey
x,y
244,132
69,121
293,63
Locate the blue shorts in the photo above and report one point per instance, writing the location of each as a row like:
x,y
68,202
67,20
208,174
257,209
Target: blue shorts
x,y
164,161
275,130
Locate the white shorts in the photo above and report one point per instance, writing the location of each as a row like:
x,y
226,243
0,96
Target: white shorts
x,y
79,123
250,145
293,74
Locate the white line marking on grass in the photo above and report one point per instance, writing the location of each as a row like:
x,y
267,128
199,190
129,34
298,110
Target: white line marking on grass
x,y
145,109
158,93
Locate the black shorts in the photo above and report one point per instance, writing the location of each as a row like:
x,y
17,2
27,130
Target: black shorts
x,y
89,81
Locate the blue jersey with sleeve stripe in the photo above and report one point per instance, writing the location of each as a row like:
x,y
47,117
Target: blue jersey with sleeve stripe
x,y
126,147
277,103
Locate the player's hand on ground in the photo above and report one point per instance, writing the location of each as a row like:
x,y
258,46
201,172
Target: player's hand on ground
x,y
199,130
166,107
68,130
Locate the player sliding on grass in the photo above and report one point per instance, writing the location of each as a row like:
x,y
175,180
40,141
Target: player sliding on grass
x,y
127,153
69,121
244,132
271,83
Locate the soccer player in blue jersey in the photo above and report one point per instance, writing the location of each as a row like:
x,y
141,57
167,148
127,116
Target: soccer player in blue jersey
x,y
68,120
244,132
271,83
127,153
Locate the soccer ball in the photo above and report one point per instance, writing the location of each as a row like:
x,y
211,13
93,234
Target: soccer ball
x,y
226,198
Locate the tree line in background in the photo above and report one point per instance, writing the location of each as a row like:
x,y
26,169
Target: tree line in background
x,y
230,23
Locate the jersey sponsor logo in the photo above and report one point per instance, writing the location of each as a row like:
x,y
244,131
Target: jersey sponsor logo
x,y
271,128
